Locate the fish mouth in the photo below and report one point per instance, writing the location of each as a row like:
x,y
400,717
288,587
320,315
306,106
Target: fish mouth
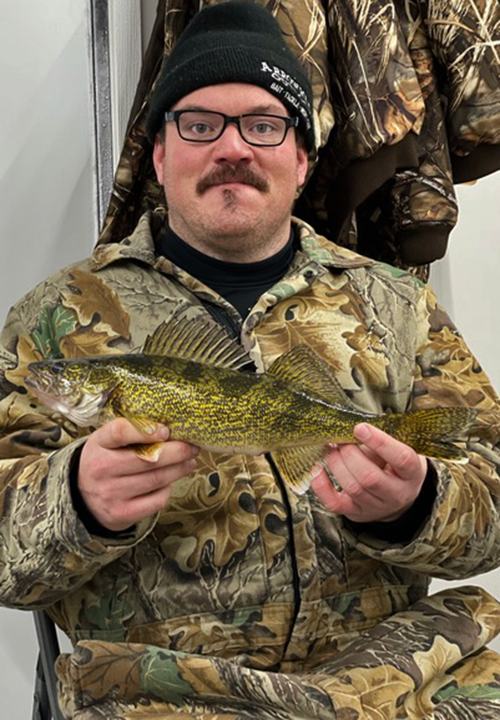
x,y
44,379
39,378
70,400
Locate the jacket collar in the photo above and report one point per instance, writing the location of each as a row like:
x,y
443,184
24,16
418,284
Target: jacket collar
x,y
325,252
137,246
140,246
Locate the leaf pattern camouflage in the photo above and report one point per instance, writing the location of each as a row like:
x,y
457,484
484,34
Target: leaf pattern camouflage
x,y
407,103
242,600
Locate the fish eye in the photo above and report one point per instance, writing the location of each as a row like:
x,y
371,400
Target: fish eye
x,y
57,366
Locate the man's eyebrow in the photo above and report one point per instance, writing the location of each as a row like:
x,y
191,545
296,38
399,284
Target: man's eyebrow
x,y
274,109
256,109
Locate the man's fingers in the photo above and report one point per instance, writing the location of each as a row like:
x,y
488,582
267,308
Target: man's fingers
x,y
122,515
373,482
172,452
339,503
371,455
356,472
403,459
134,486
120,432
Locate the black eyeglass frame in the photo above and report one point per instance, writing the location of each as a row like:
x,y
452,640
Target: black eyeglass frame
x,y
174,115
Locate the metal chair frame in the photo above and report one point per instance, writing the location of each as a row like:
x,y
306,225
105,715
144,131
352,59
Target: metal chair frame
x,y
45,702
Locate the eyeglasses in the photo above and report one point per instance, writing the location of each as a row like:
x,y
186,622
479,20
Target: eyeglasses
x,y
205,126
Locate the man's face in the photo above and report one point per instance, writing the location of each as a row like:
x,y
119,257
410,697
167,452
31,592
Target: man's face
x,y
227,198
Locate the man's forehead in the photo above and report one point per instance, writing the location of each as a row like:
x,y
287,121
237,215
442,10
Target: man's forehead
x,y
228,96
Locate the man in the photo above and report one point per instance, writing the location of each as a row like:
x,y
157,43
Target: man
x,y
200,585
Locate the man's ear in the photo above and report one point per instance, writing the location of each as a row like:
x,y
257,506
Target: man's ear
x,y
158,158
302,164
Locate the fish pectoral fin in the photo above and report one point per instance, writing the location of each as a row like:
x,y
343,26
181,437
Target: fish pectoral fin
x,y
147,451
438,449
302,366
299,465
144,425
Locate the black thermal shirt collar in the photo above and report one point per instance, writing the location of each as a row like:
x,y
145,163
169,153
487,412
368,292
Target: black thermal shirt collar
x,y
241,284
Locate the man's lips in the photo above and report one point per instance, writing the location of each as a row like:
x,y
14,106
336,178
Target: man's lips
x,y
231,183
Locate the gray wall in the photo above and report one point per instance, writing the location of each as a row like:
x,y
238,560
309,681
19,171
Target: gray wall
x,y
47,220
46,177
468,286
46,207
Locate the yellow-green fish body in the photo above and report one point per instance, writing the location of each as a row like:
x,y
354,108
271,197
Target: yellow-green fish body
x,y
293,410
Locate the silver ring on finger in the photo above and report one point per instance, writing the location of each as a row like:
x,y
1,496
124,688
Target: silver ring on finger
x,y
335,483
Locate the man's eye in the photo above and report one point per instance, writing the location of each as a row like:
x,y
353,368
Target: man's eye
x,y
262,128
200,128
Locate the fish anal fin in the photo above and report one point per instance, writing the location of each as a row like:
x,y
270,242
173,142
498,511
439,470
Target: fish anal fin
x,y
147,451
198,339
299,465
302,366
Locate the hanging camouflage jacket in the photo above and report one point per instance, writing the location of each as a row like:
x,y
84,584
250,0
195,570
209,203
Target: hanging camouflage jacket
x,y
241,599
407,103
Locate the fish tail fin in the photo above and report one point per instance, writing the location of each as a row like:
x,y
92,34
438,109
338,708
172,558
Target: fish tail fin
x,y
439,450
433,432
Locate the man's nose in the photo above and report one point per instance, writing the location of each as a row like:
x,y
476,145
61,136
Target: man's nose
x,y
231,146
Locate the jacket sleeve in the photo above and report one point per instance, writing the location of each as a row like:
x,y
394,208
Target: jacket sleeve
x,y
460,536
45,549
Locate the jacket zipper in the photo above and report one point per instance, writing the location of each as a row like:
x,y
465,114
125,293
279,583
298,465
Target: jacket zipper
x,y
293,555
233,328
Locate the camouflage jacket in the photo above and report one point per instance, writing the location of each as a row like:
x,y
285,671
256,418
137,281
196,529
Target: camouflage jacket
x,y
407,103
242,599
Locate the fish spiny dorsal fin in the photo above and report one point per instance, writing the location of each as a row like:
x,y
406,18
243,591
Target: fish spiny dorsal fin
x,y
302,366
198,339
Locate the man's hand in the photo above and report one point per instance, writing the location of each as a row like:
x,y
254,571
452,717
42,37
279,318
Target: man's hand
x,y
120,488
379,480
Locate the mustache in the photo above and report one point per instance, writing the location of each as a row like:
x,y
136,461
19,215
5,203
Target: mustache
x,y
242,174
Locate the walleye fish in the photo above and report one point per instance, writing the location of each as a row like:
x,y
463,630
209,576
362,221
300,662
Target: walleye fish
x,y
189,376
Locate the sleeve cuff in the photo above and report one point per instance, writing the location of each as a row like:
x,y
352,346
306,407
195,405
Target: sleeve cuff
x,y
92,525
404,529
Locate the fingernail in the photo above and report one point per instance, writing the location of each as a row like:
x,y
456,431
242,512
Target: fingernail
x,y
164,432
362,432
195,450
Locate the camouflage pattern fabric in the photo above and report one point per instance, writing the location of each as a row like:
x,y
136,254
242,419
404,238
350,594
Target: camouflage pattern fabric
x,y
241,599
407,102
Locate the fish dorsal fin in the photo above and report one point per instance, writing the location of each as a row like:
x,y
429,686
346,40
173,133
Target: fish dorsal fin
x,y
302,366
197,339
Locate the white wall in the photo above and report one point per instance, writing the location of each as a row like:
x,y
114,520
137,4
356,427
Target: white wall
x,y
47,220
46,207
46,193
467,281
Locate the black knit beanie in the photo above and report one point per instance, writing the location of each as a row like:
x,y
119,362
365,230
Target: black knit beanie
x,y
235,41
